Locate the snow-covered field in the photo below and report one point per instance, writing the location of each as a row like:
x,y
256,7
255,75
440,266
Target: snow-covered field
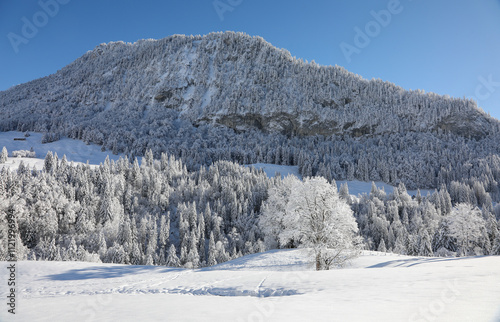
x,y
75,150
271,286
359,187
272,169
355,187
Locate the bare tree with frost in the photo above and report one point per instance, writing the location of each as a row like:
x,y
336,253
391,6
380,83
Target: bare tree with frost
x,y
317,218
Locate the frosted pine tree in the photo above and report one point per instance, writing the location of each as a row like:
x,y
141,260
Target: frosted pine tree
x,y
381,246
495,250
49,162
172,259
4,155
193,258
211,251
344,192
399,246
164,235
425,244
71,252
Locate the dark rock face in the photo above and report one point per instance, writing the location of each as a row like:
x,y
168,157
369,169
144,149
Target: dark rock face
x,y
470,125
279,123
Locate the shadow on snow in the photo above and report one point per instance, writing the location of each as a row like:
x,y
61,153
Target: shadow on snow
x,y
105,272
418,261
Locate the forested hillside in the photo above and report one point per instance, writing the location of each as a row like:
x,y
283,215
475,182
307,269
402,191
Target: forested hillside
x,y
157,212
231,79
229,96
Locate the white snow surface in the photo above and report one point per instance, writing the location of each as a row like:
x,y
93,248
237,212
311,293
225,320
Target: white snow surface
x,y
356,187
75,150
359,187
272,169
271,286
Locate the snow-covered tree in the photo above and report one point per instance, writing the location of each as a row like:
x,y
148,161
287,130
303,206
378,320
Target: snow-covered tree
x,y
274,211
172,259
317,218
381,246
495,250
49,162
193,258
4,155
211,251
344,192
466,227
425,244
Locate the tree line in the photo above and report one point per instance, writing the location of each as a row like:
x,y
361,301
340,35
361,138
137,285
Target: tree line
x,y
158,212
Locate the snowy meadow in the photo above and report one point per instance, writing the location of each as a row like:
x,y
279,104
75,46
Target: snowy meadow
x,y
271,286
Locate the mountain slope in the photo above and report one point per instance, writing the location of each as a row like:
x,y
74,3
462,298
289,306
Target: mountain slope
x,y
229,96
231,79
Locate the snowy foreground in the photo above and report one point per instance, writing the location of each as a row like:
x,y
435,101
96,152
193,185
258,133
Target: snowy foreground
x,y
272,286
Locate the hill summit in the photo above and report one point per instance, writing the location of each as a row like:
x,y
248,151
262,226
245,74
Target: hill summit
x,y
230,79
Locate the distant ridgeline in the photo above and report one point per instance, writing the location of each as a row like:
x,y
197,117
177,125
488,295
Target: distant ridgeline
x,y
229,96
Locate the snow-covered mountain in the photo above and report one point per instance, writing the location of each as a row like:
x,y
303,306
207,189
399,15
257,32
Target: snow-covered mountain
x,y
231,79
229,96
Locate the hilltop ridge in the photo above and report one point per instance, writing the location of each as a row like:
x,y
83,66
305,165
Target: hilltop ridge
x,y
231,79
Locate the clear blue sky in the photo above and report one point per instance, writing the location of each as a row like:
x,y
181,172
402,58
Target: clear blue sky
x,y
448,46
